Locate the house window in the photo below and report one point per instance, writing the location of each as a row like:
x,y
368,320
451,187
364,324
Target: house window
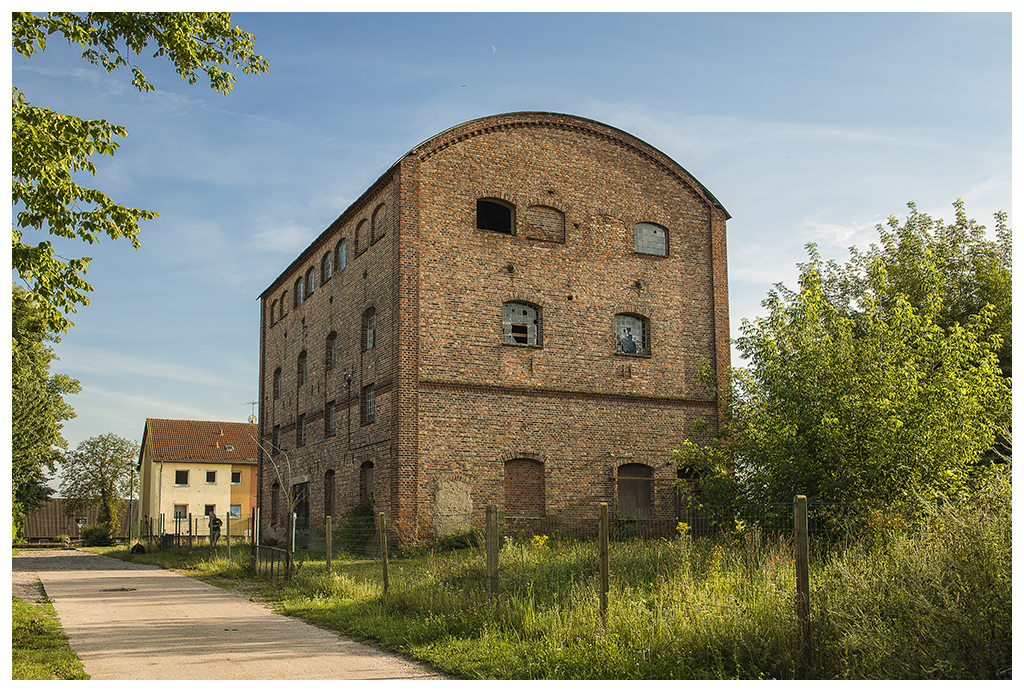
x,y
495,215
181,477
332,350
277,383
273,312
342,254
634,487
229,448
211,477
284,301
310,282
366,481
329,494
297,298
369,329
236,511
362,236
300,430
330,420
651,239
180,512
368,404
524,488
632,335
520,324
209,510
326,268
302,368
236,478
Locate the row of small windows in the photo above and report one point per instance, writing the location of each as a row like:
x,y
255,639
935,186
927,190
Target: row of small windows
x,y
520,324
548,223
367,415
369,341
331,263
300,491
181,477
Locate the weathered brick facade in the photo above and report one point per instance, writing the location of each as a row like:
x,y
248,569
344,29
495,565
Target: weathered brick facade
x,y
498,369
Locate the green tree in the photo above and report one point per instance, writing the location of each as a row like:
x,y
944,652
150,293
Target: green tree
x,y
872,401
100,473
38,409
48,148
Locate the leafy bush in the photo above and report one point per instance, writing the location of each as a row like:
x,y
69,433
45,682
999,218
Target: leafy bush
x,y
356,528
96,534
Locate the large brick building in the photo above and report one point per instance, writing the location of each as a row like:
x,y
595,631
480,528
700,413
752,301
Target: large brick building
x,y
515,313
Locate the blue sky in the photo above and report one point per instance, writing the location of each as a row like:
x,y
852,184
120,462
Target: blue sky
x,y
807,127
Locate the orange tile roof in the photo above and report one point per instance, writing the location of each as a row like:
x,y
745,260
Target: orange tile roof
x,y
201,441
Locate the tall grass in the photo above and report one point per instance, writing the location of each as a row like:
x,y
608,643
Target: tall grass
x,y
930,600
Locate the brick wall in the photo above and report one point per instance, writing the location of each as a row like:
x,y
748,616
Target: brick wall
x,y
458,410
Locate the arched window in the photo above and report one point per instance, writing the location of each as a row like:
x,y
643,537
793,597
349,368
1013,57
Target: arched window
x,y
297,298
329,493
277,383
520,324
369,329
302,370
650,239
284,301
632,335
342,252
634,486
326,268
524,488
495,215
362,236
331,356
366,481
273,312
310,281
377,223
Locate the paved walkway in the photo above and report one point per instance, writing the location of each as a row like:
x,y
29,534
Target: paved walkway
x,y
139,622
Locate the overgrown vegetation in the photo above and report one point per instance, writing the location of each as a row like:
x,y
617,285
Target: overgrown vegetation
x,y
39,649
912,598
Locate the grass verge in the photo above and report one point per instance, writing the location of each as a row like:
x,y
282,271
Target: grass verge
x,y
39,649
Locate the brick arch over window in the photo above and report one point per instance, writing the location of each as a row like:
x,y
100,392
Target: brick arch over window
x,y
379,222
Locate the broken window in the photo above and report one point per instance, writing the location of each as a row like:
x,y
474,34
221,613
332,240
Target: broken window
x,y
520,324
494,215
634,486
651,239
632,335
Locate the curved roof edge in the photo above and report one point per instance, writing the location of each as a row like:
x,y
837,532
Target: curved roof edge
x,y
471,128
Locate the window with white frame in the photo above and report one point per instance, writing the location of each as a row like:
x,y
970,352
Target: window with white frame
x,y
181,477
211,477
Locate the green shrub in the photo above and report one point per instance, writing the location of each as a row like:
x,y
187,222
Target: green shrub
x,y
356,528
96,534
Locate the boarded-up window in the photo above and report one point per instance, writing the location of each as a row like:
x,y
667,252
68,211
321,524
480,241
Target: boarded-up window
x,y
379,223
524,488
366,481
545,223
634,487
520,324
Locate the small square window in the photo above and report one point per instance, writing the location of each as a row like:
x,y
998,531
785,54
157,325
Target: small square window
x,y
181,477
209,510
236,478
229,448
236,511
632,335
520,324
181,511
211,477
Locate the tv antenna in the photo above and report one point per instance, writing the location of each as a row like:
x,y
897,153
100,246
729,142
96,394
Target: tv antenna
x,y
252,417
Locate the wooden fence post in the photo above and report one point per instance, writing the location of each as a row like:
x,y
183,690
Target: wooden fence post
x,y
602,548
227,534
493,546
384,549
327,519
803,575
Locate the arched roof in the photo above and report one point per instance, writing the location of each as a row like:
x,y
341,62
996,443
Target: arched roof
x,y
505,121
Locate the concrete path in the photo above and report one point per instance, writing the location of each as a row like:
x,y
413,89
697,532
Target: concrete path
x,y
138,622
